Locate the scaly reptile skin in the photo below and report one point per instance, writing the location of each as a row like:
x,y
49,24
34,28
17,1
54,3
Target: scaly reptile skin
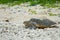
x,y
39,23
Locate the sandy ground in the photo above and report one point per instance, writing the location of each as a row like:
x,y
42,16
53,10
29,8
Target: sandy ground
x,y
14,29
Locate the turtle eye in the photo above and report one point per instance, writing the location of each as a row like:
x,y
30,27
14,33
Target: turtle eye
x,y
58,22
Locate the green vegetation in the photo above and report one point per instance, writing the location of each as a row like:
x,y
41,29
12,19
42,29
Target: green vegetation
x,y
32,2
32,11
51,14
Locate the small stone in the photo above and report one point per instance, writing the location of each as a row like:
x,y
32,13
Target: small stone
x,y
7,20
15,33
18,10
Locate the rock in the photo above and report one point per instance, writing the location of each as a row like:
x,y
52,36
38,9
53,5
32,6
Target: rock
x,y
7,20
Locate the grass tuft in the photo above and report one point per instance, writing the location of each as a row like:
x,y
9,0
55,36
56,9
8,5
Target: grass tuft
x,y
32,2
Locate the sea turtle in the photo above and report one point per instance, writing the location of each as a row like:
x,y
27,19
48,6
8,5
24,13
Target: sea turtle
x,y
37,23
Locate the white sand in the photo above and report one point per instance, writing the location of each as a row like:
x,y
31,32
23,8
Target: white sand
x,y
14,29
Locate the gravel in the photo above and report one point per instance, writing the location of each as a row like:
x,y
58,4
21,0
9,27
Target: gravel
x,y
20,33
15,30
